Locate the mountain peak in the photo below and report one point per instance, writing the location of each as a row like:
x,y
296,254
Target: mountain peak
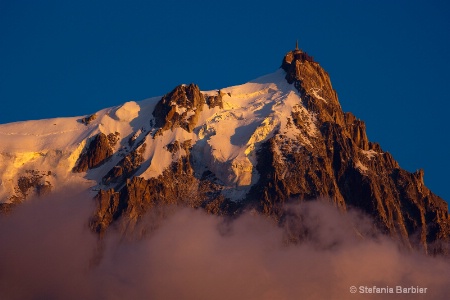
x,y
313,84
280,138
297,54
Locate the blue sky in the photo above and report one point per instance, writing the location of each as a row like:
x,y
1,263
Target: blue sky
x,y
388,60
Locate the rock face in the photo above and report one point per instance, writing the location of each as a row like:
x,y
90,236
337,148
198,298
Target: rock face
x,y
353,171
314,86
177,185
180,108
338,163
282,138
95,154
126,166
87,120
31,183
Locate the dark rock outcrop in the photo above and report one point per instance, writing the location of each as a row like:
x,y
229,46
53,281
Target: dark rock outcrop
x,y
314,86
97,151
87,120
113,138
179,108
338,170
107,211
215,100
176,186
126,166
344,166
32,182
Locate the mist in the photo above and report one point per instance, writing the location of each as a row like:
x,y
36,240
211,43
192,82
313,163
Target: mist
x,y
48,252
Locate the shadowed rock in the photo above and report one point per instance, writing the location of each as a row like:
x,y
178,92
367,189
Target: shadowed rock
x,y
95,153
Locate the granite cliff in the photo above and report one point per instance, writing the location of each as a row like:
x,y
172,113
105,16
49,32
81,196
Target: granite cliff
x,y
282,138
338,163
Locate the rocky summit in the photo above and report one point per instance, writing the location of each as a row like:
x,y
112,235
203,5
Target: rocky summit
x,y
281,138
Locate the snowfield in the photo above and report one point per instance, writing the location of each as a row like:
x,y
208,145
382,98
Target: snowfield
x,y
224,141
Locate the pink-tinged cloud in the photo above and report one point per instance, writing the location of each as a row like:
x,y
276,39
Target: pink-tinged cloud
x,y
47,252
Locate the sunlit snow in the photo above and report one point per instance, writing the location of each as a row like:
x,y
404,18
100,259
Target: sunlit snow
x,y
224,141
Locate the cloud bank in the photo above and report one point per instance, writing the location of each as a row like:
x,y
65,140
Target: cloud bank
x,y
47,252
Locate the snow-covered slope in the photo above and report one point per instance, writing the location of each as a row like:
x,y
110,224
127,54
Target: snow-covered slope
x,y
224,140
279,138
